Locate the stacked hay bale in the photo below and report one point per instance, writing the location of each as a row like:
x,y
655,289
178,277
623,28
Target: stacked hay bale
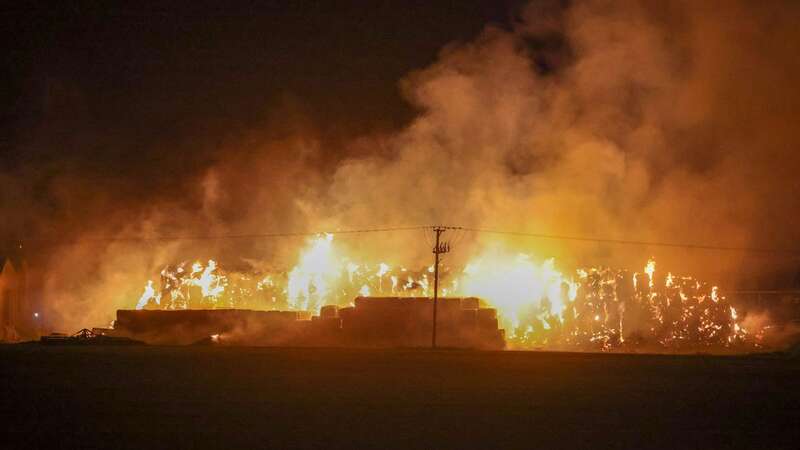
x,y
372,322
408,322
181,327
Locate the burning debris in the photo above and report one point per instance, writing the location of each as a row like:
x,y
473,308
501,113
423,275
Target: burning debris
x,y
198,287
541,307
614,309
88,337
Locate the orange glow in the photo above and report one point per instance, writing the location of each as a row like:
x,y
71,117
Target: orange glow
x,y
537,303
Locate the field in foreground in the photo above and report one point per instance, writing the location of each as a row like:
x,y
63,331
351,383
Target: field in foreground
x,y
214,397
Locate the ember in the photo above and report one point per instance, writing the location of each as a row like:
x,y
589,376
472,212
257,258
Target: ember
x,y
539,306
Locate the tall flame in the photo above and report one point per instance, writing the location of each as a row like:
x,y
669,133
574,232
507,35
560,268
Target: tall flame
x,y
148,295
310,280
537,304
211,285
516,285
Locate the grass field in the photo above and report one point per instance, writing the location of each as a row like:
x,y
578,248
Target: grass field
x,y
216,397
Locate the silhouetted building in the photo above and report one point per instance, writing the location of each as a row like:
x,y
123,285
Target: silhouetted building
x,y
14,320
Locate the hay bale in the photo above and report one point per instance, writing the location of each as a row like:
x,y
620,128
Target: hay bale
x,y
288,315
331,323
178,327
487,313
449,303
468,318
329,311
487,323
346,313
470,303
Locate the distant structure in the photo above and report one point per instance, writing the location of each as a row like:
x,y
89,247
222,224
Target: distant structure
x,y
14,320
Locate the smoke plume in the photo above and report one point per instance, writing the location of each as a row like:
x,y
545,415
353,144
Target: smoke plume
x,y
645,120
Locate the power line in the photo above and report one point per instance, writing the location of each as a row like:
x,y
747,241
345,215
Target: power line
x,y
428,229
634,242
439,249
215,237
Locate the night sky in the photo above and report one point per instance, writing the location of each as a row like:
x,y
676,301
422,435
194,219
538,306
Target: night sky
x,y
152,73
107,106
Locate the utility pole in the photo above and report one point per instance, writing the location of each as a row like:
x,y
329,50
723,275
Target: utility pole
x,y
438,249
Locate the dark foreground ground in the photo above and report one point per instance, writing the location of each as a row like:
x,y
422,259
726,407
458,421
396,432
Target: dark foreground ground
x,y
204,397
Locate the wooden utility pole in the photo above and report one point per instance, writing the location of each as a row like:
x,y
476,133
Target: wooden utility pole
x,y
438,249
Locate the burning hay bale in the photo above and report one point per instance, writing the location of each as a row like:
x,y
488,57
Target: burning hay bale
x,y
613,309
541,307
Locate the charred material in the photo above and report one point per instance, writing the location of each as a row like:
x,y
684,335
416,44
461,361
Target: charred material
x,y
87,337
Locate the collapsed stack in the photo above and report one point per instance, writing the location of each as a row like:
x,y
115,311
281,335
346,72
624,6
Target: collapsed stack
x,y
372,322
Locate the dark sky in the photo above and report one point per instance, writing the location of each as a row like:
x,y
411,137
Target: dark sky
x,y
151,70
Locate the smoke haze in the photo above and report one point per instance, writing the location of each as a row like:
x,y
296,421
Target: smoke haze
x,y
655,121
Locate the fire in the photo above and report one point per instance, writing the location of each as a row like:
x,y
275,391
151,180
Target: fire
x,y
202,287
148,296
537,304
516,286
209,282
383,268
599,307
310,280
650,269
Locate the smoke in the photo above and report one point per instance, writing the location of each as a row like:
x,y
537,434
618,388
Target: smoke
x,y
658,121
664,122
783,336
